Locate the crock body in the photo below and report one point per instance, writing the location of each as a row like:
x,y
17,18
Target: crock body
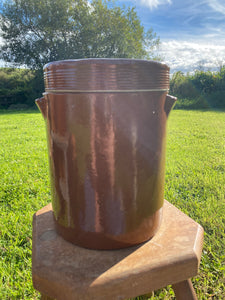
x,y
107,163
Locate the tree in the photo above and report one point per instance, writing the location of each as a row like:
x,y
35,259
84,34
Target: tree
x,y
35,32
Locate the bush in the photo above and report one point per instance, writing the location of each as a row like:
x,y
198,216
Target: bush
x,y
18,106
200,90
197,103
19,86
216,99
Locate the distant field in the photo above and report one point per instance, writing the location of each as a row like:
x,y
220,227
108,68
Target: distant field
x,y
195,182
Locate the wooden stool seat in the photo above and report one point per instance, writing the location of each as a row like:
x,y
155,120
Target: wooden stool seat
x,y
64,271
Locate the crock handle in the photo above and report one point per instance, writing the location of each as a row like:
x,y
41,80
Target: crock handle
x,y
170,101
42,105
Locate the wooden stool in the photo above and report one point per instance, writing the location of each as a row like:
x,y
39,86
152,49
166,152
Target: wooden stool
x,y
64,271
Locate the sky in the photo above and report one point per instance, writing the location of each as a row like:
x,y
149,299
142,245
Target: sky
x,y
192,32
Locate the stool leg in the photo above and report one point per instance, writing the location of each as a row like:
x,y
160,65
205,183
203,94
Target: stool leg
x,y
184,290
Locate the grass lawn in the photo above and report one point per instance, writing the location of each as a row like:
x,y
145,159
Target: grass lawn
x,y
195,183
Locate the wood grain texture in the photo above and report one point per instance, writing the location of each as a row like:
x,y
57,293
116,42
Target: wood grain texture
x,y
62,270
184,290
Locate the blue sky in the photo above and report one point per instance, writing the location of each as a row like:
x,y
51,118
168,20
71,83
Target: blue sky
x,y
192,32
183,18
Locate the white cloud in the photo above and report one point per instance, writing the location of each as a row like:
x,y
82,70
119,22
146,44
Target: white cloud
x,y
188,56
154,3
217,6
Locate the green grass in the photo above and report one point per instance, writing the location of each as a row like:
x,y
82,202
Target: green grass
x,y
195,182
24,188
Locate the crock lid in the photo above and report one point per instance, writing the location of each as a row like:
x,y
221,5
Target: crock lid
x,y
101,75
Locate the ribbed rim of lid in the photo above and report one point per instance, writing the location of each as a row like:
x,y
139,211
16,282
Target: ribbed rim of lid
x,y
106,75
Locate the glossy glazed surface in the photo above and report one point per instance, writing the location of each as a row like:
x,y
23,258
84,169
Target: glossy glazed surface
x,y
106,74
107,161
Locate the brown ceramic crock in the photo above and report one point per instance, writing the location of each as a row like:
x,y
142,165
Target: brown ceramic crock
x,y
106,129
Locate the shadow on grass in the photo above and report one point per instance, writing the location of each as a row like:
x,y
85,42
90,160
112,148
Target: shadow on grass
x,y
17,112
219,110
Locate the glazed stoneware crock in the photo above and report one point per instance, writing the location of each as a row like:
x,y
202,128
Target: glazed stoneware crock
x,y
106,130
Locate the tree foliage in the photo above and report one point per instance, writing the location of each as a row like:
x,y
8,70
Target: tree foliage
x,y
18,88
35,32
